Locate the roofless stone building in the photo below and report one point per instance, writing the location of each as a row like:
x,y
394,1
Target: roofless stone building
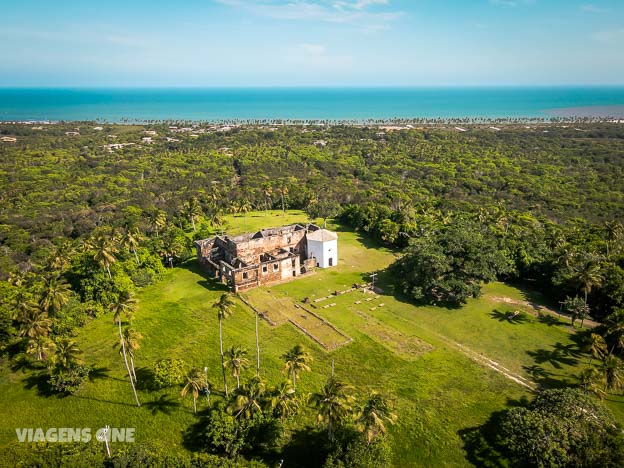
x,y
268,255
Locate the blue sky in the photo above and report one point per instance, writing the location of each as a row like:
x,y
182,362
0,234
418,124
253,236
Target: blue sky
x,y
311,43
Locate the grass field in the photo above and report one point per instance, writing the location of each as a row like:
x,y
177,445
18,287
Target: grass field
x,y
425,358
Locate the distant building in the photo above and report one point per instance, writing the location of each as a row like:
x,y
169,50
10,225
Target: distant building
x,y
7,139
268,255
72,133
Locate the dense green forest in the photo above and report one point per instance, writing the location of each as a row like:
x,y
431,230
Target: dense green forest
x,y
85,222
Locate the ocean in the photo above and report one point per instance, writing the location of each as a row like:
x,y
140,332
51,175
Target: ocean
x,y
213,104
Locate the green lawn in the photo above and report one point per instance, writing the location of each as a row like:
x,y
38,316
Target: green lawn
x,y
405,351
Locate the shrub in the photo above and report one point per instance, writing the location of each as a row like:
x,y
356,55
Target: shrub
x,y
169,372
69,381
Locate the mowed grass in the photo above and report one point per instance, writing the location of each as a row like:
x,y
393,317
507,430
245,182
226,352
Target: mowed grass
x,y
398,349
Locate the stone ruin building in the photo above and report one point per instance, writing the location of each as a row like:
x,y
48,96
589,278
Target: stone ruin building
x,y
268,255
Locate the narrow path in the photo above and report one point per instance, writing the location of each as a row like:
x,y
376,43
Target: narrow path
x,y
537,309
487,362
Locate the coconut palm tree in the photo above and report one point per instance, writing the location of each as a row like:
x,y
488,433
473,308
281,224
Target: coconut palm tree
x,y
596,347
248,400
282,400
612,370
125,306
131,340
614,231
55,294
192,210
374,415
159,221
296,359
244,206
224,307
104,249
591,380
130,239
236,360
195,383
588,273
333,404
41,347
66,354
615,329
34,322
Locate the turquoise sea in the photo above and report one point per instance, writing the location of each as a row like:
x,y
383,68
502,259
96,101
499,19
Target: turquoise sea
x,y
142,104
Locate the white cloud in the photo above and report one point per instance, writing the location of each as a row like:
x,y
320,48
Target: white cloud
x,y
331,11
591,8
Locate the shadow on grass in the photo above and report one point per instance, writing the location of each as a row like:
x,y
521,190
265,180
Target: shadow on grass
x,y
39,381
550,320
308,447
208,282
164,404
483,444
515,318
99,373
100,400
558,356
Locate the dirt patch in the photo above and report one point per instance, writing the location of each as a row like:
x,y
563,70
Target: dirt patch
x,y
406,346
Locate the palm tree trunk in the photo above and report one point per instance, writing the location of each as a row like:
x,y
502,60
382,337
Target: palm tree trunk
x,y
193,224
123,349
132,365
283,208
136,257
237,381
108,270
222,360
194,404
257,349
294,379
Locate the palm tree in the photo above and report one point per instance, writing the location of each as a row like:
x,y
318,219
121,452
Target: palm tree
x,y
244,206
41,347
195,383
612,371
55,294
282,400
374,415
130,240
257,347
159,221
267,191
596,346
131,340
192,210
588,274
296,359
333,404
224,307
104,250
615,329
283,190
34,322
614,231
237,361
248,400
66,354
590,380
125,306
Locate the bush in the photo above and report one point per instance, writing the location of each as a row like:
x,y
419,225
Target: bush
x,y
169,372
69,381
